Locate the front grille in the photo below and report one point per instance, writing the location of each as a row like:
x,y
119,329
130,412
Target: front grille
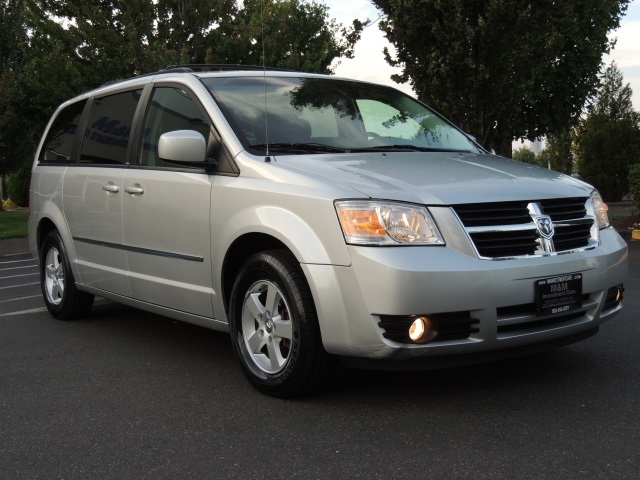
x,y
450,326
508,229
564,208
483,214
506,244
571,237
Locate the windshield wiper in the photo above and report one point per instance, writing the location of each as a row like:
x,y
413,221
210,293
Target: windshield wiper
x,y
404,148
299,147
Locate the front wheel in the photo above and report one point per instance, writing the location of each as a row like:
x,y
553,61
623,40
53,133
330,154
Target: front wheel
x,y
62,298
274,326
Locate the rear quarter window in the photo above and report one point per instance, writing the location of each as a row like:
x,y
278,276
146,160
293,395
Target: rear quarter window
x,y
58,145
106,137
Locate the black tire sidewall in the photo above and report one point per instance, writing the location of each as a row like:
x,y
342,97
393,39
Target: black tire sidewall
x,y
275,267
53,240
74,303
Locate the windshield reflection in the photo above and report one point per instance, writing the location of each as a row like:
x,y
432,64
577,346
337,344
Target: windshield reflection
x,y
310,114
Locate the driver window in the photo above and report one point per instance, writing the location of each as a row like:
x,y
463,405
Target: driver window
x,y
170,109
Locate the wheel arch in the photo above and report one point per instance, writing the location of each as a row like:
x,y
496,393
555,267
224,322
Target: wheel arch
x,y
237,253
47,224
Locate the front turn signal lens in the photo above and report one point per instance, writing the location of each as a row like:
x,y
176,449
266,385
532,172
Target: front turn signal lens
x,y
600,210
387,223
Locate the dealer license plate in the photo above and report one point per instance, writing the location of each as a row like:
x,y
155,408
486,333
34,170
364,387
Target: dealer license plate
x,y
559,294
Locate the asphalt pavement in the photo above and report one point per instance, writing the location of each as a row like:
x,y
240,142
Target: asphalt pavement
x,y
14,246
125,394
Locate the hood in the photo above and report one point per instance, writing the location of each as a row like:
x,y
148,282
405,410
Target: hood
x,y
439,178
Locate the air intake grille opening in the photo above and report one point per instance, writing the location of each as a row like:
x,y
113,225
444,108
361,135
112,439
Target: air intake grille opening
x,y
614,297
450,326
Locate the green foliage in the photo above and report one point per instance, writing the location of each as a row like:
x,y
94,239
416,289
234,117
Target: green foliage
x,y
604,152
297,36
13,34
18,185
634,185
607,140
502,69
526,155
52,50
558,152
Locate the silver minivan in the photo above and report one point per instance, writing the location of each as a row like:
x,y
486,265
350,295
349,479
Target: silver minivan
x,y
318,220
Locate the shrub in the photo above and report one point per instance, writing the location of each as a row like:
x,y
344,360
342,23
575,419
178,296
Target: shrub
x,y
18,185
8,204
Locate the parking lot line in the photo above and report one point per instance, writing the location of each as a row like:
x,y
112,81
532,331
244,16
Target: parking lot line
x,y
18,268
22,312
17,261
22,285
16,276
20,298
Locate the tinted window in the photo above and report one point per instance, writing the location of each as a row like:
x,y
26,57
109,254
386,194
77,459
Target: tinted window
x,y
109,127
170,109
58,145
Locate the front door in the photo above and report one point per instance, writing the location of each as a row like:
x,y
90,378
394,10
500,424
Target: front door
x,y
166,213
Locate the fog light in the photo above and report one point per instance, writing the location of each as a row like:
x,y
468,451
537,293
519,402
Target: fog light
x,y
618,294
422,330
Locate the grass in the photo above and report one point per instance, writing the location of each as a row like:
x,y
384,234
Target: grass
x,y
13,224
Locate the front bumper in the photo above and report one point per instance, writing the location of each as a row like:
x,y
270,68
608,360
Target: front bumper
x,y
430,280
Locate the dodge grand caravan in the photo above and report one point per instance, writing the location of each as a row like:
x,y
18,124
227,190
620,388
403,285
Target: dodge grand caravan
x,y
315,219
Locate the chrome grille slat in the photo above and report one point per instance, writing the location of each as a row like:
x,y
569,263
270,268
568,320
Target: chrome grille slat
x,y
507,229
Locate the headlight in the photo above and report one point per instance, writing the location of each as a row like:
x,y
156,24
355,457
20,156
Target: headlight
x,y
600,210
387,223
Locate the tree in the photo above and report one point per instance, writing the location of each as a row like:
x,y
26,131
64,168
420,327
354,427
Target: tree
x,y
526,155
12,35
607,139
502,69
297,35
51,50
558,152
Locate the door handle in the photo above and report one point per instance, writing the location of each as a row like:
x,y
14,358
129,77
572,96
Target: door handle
x,y
135,189
110,187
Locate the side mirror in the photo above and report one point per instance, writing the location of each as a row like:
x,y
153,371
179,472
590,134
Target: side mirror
x,y
183,147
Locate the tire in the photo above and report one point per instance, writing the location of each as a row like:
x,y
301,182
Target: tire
x,y
62,298
274,327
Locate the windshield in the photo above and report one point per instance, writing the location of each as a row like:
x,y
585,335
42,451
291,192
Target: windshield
x,y
328,115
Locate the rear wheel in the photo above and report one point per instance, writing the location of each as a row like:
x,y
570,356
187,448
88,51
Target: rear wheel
x,y
274,326
62,298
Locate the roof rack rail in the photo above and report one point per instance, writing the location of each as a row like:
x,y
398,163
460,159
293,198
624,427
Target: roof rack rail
x,y
190,67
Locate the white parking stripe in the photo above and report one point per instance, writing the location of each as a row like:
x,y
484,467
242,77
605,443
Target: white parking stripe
x,y
18,268
16,276
22,312
19,298
17,261
18,286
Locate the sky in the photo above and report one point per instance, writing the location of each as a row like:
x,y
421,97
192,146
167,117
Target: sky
x,y
369,63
